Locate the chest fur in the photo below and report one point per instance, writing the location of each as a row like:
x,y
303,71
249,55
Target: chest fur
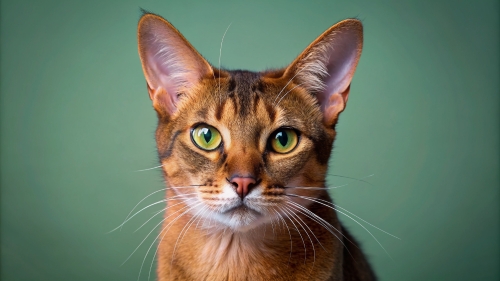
x,y
273,252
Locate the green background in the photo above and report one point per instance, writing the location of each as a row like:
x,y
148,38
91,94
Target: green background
x,y
77,123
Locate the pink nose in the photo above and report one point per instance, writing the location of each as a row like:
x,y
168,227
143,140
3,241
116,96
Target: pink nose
x,y
242,185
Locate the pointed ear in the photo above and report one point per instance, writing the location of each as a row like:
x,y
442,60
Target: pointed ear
x,y
171,65
325,68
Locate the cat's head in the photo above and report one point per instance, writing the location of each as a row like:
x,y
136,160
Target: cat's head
x,y
241,147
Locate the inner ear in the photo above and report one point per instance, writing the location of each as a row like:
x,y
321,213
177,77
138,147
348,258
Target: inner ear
x,y
170,63
326,67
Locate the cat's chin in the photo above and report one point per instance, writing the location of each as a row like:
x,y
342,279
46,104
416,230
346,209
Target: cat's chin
x,y
242,218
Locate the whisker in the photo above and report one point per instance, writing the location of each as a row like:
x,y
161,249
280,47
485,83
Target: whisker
x,y
287,84
157,213
220,51
337,206
156,236
140,203
129,218
305,230
287,93
289,234
199,220
149,169
308,216
182,233
316,187
333,207
158,202
150,234
180,187
319,220
352,178
332,187
167,229
326,225
312,243
272,227
305,250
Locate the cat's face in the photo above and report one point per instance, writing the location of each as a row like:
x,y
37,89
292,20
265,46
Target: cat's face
x,y
242,147
241,150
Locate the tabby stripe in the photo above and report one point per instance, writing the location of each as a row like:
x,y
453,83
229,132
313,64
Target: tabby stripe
x,y
271,112
222,159
235,103
255,102
168,152
220,109
232,85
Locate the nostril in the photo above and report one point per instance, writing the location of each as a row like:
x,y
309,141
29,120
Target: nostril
x,y
242,184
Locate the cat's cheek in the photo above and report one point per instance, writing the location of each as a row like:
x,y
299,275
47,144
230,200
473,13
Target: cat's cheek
x,y
298,188
282,168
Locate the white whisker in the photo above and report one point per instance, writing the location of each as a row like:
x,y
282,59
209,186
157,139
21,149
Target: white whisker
x,y
361,179
305,250
310,217
158,202
305,230
167,229
272,227
287,93
200,217
289,234
140,203
149,169
337,206
317,187
332,207
149,234
182,233
319,220
155,214
170,206
325,225
287,84
220,51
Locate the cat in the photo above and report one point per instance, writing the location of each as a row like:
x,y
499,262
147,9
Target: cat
x,y
244,156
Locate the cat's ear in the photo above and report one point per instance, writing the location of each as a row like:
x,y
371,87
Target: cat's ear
x,y
325,68
172,66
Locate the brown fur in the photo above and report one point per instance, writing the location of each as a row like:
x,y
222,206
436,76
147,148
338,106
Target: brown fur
x,y
244,107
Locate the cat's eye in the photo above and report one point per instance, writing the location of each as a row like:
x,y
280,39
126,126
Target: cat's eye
x,y
284,140
206,137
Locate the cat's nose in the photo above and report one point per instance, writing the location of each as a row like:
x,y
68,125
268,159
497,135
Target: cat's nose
x,y
242,184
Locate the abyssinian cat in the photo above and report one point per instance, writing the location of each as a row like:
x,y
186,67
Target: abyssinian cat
x,y
244,156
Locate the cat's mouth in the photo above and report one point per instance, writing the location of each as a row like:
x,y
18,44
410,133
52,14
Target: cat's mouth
x,y
242,217
241,209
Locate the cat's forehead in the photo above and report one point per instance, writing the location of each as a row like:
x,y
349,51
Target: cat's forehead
x,y
243,90
252,99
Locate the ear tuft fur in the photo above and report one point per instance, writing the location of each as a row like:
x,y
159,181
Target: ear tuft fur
x,y
326,67
170,64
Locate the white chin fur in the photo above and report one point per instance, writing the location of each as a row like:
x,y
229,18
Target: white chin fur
x,y
240,219
235,216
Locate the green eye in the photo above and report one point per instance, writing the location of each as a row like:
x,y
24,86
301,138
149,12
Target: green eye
x,y
206,137
284,140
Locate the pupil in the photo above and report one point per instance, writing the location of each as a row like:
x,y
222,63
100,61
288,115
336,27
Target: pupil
x,y
282,138
207,134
